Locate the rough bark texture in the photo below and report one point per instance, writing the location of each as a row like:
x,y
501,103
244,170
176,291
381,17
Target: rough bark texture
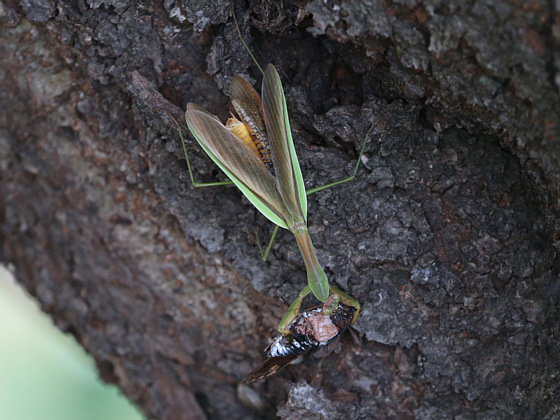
x,y
447,236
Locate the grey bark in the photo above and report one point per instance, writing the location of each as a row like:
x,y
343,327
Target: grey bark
x,y
448,236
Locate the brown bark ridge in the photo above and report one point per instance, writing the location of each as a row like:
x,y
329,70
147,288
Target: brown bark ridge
x,y
447,236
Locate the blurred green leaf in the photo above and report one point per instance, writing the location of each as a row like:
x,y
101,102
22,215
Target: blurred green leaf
x,y
46,374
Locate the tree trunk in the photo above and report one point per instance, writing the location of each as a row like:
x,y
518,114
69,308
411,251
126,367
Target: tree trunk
x,y
446,237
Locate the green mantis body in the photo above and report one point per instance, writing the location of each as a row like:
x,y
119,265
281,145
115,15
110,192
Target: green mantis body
x,y
279,194
274,185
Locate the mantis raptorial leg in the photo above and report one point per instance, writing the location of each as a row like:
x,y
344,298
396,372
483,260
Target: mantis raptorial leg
x,y
293,310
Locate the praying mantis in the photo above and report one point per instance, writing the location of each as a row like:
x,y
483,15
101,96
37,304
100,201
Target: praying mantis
x,y
257,154
256,151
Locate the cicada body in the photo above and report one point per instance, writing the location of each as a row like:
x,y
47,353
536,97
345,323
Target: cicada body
x,y
310,329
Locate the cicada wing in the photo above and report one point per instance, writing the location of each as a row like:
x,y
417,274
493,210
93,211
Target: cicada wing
x,y
288,172
238,162
269,367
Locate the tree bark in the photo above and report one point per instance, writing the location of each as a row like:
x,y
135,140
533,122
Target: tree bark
x,y
447,236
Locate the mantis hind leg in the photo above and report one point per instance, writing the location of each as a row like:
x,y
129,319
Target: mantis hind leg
x,y
264,255
351,177
195,184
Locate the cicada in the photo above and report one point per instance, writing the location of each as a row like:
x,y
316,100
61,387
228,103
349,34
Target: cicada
x,y
309,329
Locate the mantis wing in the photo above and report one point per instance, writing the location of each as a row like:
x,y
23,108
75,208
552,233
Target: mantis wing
x,y
289,179
238,162
288,172
248,106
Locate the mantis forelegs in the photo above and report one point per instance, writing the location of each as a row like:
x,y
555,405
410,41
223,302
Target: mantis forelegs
x,y
293,310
